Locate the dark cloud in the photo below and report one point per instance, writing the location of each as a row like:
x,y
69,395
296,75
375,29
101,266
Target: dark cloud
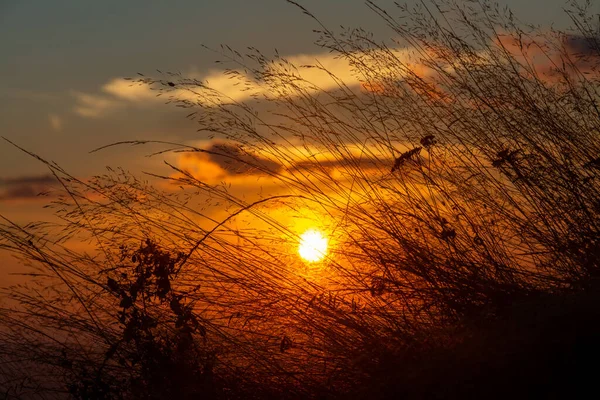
x,y
30,180
354,163
222,160
583,51
26,187
235,160
582,46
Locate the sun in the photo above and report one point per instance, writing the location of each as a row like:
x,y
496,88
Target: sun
x,y
313,246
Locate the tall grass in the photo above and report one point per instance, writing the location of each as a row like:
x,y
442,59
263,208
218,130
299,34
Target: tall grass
x,y
459,180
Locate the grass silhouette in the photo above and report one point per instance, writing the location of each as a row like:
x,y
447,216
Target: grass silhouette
x,y
462,180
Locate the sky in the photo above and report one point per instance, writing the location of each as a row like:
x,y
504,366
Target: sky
x,y
55,53
63,61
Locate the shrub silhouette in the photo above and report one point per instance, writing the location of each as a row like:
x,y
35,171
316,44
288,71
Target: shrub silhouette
x,y
462,181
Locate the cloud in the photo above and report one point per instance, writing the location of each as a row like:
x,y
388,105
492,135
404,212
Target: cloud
x,y
35,179
318,72
220,161
55,122
26,187
582,46
574,53
126,90
364,164
314,72
240,86
583,51
116,94
201,167
235,160
93,106
322,71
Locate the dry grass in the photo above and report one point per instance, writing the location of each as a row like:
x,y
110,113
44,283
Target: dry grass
x,y
466,211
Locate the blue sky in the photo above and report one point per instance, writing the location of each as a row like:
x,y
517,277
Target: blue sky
x,y
55,52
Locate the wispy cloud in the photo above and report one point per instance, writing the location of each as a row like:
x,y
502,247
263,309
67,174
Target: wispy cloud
x,y
319,71
56,122
26,187
93,106
126,90
117,94
573,53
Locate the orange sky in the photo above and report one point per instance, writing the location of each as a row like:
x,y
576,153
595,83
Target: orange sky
x,y
66,95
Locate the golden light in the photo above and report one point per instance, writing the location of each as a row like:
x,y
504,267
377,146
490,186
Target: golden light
x,y
313,246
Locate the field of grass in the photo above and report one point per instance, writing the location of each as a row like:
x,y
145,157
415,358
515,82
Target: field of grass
x,y
455,175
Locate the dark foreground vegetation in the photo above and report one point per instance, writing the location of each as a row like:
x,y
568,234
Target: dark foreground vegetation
x,y
463,186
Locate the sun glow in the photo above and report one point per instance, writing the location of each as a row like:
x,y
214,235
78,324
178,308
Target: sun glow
x,y
313,246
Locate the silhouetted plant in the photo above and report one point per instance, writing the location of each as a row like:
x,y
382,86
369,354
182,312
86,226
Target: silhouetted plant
x,y
466,218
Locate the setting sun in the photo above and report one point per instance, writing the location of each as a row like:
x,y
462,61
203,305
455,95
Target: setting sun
x,y
313,246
